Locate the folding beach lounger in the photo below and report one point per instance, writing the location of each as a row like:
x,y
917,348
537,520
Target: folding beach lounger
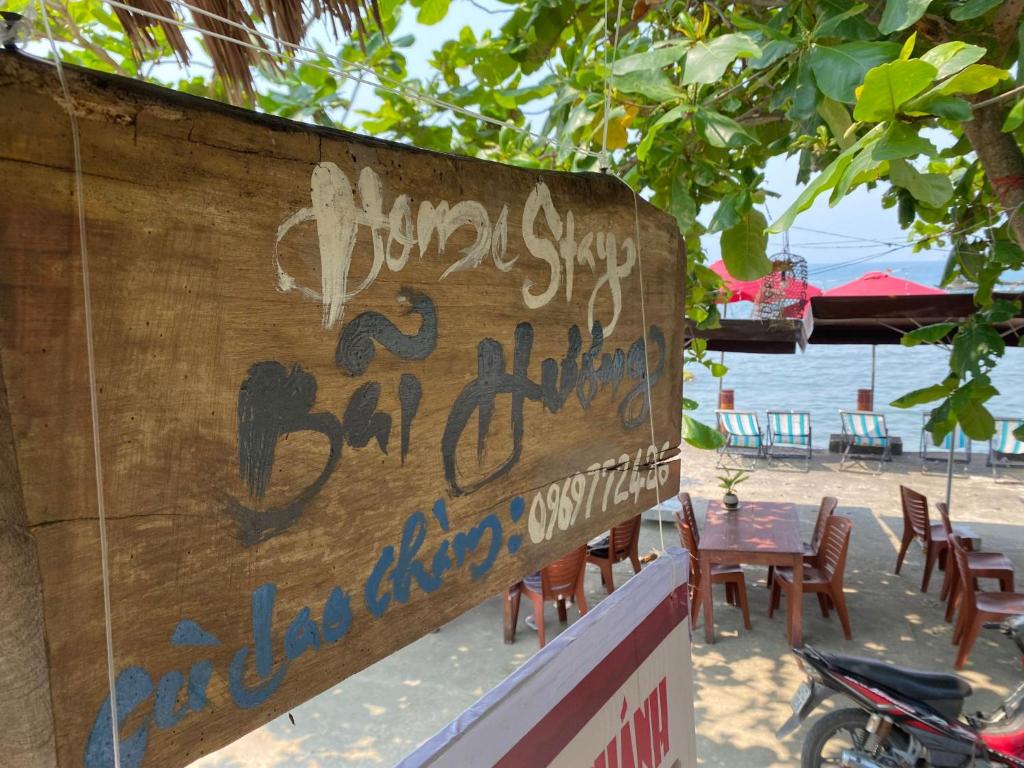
x,y
865,429
743,436
1004,448
956,439
789,431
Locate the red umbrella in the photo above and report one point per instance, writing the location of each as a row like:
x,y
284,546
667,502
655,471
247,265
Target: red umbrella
x,y
741,290
881,284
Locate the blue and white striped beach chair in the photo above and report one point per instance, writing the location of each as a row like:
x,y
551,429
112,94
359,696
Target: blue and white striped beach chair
x,y
742,434
789,431
957,440
863,432
1004,448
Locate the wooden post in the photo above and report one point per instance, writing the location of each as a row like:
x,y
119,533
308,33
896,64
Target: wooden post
x,y
865,400
726,400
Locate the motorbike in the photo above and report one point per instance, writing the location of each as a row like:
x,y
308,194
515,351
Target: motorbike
x,y
904,718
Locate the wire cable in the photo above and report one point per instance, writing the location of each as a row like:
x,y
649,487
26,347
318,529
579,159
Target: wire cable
x,y
90,353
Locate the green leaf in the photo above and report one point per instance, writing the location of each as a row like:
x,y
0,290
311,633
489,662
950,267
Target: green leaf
x,y
900,14
949,58
840,69
744,247
1015,118
972,9
706,62
901,140
824,181
949,107
1019,432
888,86
933,189
652,83
700,435
908,47
975,420
975,349
833,26
432,11
730,209
718,370
772,52
974,79
805,97
941,422
921,396
838,120
929,334
721,131
673,115
654,58
681,204
862,169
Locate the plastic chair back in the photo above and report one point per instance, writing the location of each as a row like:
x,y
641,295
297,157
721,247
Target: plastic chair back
x,y
834,546
560,578
828,506
621,539
689,518
915,513
964,574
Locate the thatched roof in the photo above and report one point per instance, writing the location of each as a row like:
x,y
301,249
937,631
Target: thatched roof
x,y
286,20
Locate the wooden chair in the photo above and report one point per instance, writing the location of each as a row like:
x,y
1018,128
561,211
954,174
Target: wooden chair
x,y
825,510
560,581
916,525
977,607
688,518
825,580
622,544
730,575
983,565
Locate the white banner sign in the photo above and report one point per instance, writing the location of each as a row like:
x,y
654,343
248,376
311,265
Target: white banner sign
x,y
614,690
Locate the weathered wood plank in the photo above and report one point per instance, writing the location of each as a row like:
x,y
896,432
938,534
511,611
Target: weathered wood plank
x,y
344,387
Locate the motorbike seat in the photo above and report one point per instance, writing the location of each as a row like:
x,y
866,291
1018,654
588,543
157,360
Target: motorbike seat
x,y
942,692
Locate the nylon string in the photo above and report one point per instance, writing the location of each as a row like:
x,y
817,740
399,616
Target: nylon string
x,y
90,352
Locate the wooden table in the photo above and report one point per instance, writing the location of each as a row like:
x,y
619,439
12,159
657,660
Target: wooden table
x,y
758,533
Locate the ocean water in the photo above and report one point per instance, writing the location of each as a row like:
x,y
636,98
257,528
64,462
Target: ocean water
x,y
825,378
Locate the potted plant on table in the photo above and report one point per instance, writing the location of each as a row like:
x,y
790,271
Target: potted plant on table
x,y
729,481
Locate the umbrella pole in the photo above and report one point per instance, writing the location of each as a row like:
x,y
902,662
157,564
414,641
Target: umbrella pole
x,y
949,470
721,360
873,349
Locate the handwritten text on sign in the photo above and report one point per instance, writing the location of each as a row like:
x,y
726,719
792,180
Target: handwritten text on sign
x,y
279,398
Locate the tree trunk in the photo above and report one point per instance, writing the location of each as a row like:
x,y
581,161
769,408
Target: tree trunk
x,y
1002,160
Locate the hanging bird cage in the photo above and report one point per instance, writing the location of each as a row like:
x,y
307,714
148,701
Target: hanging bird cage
x,y
783,291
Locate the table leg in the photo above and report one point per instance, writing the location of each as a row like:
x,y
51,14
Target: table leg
x,y
705,596
795,607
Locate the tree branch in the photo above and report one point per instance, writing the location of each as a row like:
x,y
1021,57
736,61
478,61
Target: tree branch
x,y
1005,25
1002,160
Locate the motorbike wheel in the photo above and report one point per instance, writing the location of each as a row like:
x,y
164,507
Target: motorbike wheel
x,y
833,733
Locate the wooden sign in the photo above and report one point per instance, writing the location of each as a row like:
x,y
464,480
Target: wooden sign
x,y
346,390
